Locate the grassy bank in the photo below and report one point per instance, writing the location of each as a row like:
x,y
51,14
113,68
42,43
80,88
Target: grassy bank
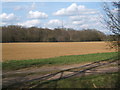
x,y
62,60
91,81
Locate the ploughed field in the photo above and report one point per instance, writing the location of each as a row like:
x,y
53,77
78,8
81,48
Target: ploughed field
x,y
25,51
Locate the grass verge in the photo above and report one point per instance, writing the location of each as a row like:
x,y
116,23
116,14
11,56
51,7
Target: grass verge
x,y
91,81
62,60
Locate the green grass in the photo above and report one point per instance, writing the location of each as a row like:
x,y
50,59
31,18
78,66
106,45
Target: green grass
x,y
62,60
91,81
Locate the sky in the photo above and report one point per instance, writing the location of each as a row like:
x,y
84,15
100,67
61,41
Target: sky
x,y
76,15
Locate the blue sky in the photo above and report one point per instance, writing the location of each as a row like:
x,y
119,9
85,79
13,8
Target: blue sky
x,y
77,15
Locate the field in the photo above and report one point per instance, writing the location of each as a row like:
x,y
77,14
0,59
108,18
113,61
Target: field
x,y
25,51
27,61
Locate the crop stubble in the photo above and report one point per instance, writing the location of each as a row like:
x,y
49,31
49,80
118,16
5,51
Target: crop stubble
x,y
24,51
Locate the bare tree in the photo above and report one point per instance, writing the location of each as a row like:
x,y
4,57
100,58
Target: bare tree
x,y
112,21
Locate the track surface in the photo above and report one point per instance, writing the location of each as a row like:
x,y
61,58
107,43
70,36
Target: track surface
x,y
21,76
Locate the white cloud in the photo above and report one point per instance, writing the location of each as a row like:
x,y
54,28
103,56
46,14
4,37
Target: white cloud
x,y
78,22
37,14
54,23
67,11
30,23
86,18
77,18
90,21
85,26
8,17
74,9
80,17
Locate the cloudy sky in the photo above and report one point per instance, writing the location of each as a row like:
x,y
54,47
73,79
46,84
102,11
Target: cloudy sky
x,y
77,15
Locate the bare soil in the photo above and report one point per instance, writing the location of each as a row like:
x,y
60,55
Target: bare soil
x,y
24,51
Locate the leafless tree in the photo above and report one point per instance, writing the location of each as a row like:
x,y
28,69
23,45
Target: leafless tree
x,y
112,21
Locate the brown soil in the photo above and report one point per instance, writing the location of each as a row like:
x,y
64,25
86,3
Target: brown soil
x,y
23,51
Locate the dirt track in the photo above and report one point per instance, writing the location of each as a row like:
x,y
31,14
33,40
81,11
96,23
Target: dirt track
x,y
12,77
23,51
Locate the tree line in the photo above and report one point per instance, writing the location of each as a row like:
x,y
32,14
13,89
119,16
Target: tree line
x,y
15,33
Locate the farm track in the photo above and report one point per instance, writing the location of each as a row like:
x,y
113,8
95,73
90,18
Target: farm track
x,y
25,51
87,69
